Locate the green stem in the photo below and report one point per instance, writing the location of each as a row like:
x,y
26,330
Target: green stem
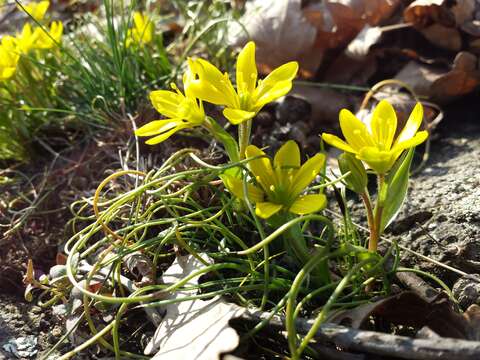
x,y
244,130
370,217
375,235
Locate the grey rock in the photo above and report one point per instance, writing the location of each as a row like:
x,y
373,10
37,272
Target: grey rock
x,y
467,292
441,217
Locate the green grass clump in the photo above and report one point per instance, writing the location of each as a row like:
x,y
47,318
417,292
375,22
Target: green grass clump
x,y
88,79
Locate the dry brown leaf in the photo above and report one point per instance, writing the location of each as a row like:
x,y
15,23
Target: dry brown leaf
x,y
440,85
445,37
285,31
422,13
440,21
193,329
409,309
280,31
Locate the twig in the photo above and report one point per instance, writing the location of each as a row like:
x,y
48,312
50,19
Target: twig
x,y
380,343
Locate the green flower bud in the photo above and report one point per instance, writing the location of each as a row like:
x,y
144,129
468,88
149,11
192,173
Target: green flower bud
x,y
357,180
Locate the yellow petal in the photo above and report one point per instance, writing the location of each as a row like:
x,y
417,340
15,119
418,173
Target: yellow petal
x,y
288,156
355,131
139,20
7,73
378,160
237,116
261,167
235,186
419,138
157,127
166,102
307,173
413,124
48,40
209,84
308,204
337,142
162,137
36,10
384,125
267,209
277,84
247,69
143,28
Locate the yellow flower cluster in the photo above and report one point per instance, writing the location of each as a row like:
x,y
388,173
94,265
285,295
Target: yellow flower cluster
x,y
203,81
37,38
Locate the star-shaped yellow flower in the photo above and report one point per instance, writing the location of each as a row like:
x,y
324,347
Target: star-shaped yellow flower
x,y
182,111
251,95
26,39
48,41
375,144
36,10
280,187
142,30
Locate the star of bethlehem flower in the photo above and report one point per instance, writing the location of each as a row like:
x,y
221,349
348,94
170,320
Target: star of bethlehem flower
x,y
251,94
48,41
26,39
374,144
37,10
279,187
182,111
142,30
8,58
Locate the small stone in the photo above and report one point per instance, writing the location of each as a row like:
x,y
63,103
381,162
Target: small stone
x,y
56,332
291,109
466,291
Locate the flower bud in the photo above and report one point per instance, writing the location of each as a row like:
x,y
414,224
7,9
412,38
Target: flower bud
x,y
357,180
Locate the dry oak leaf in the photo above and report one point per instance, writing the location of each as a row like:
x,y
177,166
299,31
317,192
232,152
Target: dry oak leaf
x,y
284,30
440,85
280,31
193,329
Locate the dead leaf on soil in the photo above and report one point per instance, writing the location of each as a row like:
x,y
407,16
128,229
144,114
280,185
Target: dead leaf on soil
x,y
440,85
422,13
409,309
440,21
442,36
284,31
280,31
194,329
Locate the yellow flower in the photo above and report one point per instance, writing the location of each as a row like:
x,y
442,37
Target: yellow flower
x,y
251,95
46,41
182,111
375,144
279,187
26,39
142,31
36,10
8,58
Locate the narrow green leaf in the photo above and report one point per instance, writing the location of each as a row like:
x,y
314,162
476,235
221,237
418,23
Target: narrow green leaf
x,y
396,186
227,140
